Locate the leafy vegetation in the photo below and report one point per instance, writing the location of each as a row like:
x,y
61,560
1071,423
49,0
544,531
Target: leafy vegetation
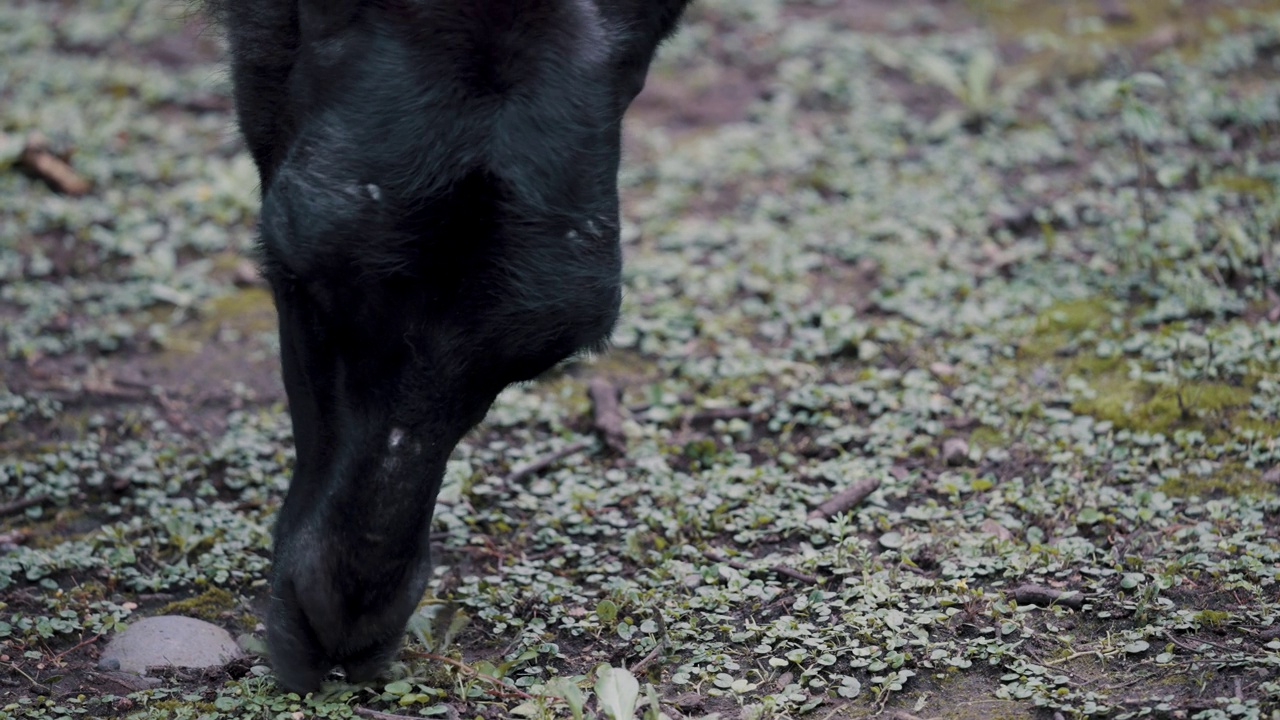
x,y
1021,277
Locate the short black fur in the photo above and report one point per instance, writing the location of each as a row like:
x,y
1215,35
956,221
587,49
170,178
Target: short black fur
x,y
439,220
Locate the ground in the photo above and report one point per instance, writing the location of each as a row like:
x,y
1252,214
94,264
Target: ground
x,y
1007,266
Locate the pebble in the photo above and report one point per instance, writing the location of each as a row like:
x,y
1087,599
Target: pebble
x,y
955,450
168,641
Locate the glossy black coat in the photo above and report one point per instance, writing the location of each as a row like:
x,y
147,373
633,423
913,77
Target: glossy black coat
x,y
439,220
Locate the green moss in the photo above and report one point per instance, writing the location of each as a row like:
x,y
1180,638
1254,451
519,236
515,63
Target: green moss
x,y
248,311
1145,407
1074,316
1056,329
1246,185
1230,480
63,525
1212,618
1083,40
210,605
987,437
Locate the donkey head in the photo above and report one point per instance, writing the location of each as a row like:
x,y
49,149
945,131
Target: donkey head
x,y
439,220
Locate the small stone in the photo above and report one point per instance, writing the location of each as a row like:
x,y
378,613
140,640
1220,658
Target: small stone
x,y
246,274
1162,38
688,701
955,450
991,527
942,370
1272,475
692,581
169,641
1116,12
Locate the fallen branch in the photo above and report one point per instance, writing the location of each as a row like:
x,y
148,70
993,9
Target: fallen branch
x,y
18,506
716,556
539,464
1044,597
72,392
41,161
608,415
1102,657
846,499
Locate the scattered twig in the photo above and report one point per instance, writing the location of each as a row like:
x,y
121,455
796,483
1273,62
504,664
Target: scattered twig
x,y
1197,649
608,415
639,668
77,646
18,506
539,464
1044,597
1102,657
40,160
846,498
1127,683
379,715
716,556
34,683
62,392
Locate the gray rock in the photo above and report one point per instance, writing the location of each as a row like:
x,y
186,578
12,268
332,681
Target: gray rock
x,y
955,450
169,641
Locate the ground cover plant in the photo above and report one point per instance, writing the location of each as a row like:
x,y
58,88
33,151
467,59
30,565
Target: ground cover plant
x,y
947,385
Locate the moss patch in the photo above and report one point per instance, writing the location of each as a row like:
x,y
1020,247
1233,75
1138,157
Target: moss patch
x,y
211,605
1231,480
1133,404
1074,316
1083,38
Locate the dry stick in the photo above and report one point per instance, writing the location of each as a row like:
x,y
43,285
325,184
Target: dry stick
x,y
379,715
18,506
608,416
715,556
52,169
542,463
1043,596
846,499
77,646
33,681
647,660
